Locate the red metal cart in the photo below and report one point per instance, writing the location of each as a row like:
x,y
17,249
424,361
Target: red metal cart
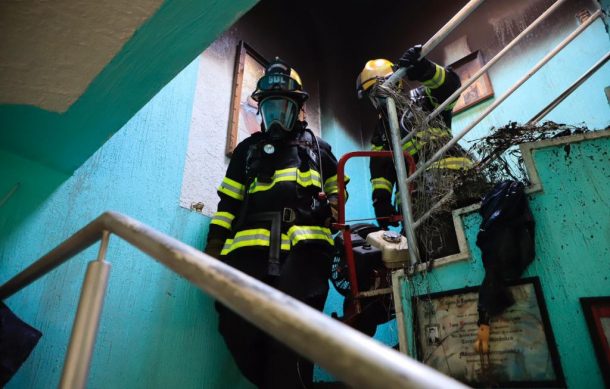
x,y
345,228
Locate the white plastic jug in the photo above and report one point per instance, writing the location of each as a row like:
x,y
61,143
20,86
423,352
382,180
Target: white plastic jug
x,y
393,246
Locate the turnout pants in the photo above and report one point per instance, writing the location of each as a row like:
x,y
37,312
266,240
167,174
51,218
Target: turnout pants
x,y
304,275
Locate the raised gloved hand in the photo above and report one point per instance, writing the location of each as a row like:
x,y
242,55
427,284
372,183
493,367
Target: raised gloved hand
x,y
417,69
214,247
384,208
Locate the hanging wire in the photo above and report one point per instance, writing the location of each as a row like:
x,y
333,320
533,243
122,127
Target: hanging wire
x,y
497,158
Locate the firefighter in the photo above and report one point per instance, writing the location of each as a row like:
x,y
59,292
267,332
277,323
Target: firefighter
x,y
276,204
438,83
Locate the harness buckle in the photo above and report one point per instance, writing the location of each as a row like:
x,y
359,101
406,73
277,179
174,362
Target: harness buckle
x,y
289,215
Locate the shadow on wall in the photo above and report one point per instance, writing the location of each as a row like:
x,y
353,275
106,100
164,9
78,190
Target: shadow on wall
x,y
24,185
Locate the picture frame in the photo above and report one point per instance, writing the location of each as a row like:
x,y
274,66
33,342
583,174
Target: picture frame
x,y
480,90
249,68
523,352
597,315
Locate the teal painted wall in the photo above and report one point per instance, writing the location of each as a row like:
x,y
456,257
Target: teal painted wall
x,y
41,149
572,251
588,105
166,331
168,41
34,183
157,330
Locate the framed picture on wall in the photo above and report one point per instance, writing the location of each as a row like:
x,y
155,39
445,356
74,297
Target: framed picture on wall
x,y
597,315
480,90
522,346
243,121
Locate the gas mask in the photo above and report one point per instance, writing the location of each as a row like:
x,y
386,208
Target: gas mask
x,y
279,114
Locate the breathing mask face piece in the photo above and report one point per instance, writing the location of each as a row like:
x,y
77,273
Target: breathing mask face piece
x,y
279,115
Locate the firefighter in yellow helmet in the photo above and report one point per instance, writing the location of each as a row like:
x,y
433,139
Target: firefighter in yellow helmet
x,y
273,223
437,84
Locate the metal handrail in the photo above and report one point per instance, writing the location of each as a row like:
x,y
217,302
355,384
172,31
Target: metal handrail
x,y
439,154
350,355
439,36
569,90
536,118
488,65
399,163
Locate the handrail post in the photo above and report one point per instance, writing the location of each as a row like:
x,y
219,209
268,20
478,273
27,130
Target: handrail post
x,y
86,322
492,62
423,167
403,187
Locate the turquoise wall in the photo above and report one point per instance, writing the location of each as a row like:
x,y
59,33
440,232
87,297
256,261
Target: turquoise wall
x,y
34,182
587,105
160,48
572,252
157,330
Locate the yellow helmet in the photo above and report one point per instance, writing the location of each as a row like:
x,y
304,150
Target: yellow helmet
x,y
280,79
374,70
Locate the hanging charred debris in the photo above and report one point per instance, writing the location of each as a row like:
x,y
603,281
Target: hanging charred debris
x,y
495,158
499,157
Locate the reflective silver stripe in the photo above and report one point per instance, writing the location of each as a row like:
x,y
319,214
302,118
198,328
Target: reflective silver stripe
x,y
382,183
331,185
310,177
251,238
299,233
437,80
454,163
223,219
232,188
423,137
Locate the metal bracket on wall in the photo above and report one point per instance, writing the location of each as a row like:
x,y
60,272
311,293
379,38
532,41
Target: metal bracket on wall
x,y
10,193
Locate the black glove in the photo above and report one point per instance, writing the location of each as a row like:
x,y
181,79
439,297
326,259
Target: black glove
x,y
214,247
417,69
384,208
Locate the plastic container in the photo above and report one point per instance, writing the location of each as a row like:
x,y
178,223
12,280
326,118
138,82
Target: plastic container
x,y
393,246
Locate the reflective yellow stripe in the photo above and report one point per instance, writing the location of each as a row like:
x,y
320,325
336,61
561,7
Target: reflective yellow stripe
x,y
412,148
297,234
253,237
308,178
261,237
437,80
232,188
423,137
223,219
453,163
377,148
331,186
431,99
382,183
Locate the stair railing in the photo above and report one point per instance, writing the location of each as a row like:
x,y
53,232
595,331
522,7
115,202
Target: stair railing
x,y
396,142
351,356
